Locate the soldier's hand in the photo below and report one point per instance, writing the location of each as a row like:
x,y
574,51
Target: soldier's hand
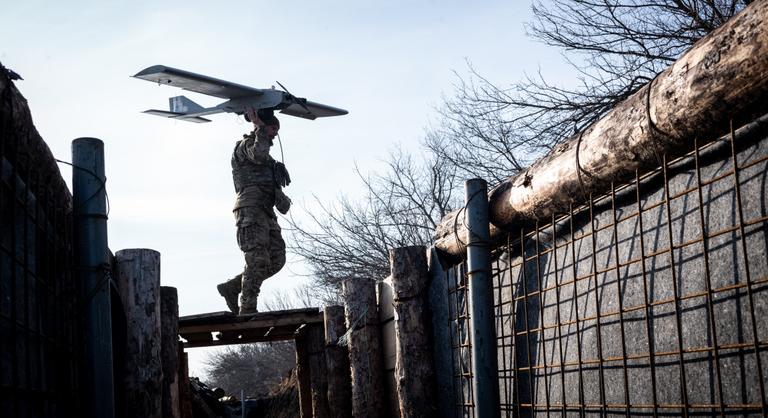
x,y
281,175
282,203
253,116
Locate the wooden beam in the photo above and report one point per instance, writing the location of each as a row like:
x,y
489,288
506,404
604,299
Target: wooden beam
x,y
256,321
242,339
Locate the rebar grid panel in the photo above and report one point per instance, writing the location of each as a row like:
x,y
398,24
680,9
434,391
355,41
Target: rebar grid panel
x,y
38,306
648,300
461,347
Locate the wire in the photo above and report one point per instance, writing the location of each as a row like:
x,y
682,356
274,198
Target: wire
x,y
102,185
282,156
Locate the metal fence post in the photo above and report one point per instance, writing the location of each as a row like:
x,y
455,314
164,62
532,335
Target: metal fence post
x,y
485,381
92,267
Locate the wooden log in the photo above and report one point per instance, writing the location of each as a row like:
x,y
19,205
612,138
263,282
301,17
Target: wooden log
x,y
722,77
318,371
442,345
386,307
138,279
364,348
185,401
303,375
414,367
337,361
169,350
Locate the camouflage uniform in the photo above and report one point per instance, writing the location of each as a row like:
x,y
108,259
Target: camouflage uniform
x,y
258,180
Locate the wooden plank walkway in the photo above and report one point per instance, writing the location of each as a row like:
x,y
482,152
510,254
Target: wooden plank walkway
x,y
225,328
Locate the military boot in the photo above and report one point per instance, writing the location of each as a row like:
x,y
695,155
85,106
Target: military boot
x,y
247,311
230,291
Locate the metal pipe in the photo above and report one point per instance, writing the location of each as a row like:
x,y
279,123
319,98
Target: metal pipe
x,y
92,268
485,379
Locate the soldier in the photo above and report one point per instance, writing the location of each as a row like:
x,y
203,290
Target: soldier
x,y
259,182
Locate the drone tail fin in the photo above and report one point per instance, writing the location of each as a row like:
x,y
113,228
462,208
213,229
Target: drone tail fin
x,y
177,115
181,104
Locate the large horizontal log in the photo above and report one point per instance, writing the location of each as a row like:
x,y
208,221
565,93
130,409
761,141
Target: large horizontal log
x,y
721,78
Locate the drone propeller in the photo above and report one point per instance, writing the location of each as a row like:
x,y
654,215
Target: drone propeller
x,y
299,100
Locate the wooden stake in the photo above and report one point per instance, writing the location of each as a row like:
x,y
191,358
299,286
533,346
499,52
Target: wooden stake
x,y
138,278
414,368
337,361
364,348
303,375
169,350
185,399
318,371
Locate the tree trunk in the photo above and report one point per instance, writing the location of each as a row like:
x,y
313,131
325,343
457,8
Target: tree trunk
x,y
414,366
364,348
169,331
337,360
722,77
138,278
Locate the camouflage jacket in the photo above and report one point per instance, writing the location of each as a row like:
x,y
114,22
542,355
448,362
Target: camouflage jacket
x,y
256,175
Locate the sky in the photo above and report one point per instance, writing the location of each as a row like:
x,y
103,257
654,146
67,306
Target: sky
x,y
389,63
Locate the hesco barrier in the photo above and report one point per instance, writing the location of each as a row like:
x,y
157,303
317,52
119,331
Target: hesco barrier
x,y
648,300
38,298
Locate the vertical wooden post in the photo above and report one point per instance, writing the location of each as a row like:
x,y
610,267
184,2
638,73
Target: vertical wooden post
x,y
303,374
138,278
169,350
318,371
337,361
414,368
185,399
364,348
442,353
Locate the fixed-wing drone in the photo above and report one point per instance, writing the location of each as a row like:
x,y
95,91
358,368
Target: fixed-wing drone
x,y
239,97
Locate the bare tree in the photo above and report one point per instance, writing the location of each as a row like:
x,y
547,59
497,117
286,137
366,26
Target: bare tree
x,y
402,207
304,295
258,368
253,368
614,46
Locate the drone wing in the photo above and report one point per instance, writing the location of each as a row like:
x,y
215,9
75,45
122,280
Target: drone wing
x,y
312,110
196,82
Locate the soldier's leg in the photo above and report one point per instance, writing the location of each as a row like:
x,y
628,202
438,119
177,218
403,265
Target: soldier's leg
x,y
256,271
253,240
276,249
230,290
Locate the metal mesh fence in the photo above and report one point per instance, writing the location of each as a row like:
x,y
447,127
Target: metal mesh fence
x,y
648,300
38,309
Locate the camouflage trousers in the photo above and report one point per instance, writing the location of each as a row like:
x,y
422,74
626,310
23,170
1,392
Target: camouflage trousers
x,y
258,235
